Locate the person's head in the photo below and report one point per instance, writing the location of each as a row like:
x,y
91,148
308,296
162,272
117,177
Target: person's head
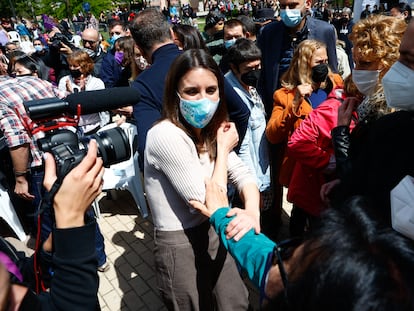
x,y
80,63
397,82
250,25
11,47
118,29
367,7
124,51
245,61
150,30
193,87
308,56
402,10
38,45
7,24
214,22
90,41
349,262
376,42
293,12
346,14
26,65
187,37
233,30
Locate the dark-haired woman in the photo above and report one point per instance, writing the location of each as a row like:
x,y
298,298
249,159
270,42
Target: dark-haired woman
x,y
194,141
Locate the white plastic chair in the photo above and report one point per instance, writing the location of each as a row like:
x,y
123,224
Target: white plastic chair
x,y
14,36
8,213
126,175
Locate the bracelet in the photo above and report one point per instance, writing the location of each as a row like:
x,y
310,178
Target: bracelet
x,y
20,173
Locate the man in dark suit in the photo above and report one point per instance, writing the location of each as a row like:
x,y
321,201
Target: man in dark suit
x,y
277,42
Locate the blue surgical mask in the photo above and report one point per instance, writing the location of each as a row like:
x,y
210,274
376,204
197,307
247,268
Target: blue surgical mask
x,y
229,43
198,113
291,18
38,48
115,37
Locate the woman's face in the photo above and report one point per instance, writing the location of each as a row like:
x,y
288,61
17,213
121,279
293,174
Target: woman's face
x,y
74,66
320,56
20,70
199,83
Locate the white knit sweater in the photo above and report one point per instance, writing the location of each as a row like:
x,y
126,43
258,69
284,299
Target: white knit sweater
x,y
174,174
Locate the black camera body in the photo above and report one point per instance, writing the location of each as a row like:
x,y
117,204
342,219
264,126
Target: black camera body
x,y
59,38
69,150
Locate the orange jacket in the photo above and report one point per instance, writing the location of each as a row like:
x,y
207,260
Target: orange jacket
x,y
284,121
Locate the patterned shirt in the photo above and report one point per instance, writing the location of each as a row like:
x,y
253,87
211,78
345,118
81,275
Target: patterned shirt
x,y
14,120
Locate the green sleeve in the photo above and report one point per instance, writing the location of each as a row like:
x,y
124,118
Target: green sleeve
x,y
252,252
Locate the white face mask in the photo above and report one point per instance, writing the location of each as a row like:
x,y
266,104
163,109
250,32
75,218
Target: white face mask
x,y
398,89
366,80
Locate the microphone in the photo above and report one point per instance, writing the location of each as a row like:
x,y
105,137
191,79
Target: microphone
x,y
89,101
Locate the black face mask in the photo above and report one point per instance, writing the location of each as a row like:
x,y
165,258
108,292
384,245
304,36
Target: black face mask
x,y
319,73
75,73
344,20
251,78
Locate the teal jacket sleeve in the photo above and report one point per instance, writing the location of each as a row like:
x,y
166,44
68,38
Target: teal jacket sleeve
x,y
252,252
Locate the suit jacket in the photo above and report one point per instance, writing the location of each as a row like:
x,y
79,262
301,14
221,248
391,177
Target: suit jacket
x,y
270,42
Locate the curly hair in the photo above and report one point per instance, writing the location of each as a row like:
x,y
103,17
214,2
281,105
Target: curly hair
x,y
83,60
300,69
378,38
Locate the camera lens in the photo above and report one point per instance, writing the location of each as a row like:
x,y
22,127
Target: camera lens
x,y
113,146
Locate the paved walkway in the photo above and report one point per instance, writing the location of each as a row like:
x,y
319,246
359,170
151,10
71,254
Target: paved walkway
x,y
130,284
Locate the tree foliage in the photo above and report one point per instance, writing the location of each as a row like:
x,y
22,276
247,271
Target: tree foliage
x,y
58,9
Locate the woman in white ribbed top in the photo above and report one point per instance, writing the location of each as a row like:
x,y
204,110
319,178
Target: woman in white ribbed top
x,y
194,141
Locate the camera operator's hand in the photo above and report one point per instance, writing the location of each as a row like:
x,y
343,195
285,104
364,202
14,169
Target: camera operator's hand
x,y
64,49
78,190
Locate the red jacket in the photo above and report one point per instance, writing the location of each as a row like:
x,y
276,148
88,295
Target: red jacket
x,y
311,146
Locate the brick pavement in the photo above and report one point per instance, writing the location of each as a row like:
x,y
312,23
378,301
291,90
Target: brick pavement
x,y
130,284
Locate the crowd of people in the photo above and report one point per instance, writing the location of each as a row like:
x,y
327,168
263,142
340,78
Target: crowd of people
x,y
227,120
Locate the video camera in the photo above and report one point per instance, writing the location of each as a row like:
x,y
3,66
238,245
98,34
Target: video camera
x,y
52,115
59,38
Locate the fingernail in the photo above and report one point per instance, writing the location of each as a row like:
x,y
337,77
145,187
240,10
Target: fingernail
x,y
45,156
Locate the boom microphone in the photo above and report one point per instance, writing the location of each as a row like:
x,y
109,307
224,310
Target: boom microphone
x,y
89,102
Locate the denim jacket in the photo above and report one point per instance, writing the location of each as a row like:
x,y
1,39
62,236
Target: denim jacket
x,y
254,147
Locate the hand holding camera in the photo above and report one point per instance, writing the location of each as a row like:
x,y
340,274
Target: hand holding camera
x,y
83,183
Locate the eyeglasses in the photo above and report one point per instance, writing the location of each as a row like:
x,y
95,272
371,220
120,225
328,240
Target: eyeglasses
x,y
283,251
90,42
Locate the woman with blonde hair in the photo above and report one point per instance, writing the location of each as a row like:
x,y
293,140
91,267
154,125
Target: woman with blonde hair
x,y
305,85
376,43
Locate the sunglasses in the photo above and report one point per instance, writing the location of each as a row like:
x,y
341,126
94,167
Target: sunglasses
x,y
90,42
283,251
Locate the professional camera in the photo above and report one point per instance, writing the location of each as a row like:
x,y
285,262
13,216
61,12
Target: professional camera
x,y
52,116
59,38
69,150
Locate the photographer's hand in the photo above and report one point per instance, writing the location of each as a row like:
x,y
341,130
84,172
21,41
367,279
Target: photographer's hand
x,y
64,49
78,190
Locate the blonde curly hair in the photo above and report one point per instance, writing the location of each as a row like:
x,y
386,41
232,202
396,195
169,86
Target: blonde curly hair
x,y
378,38
300,69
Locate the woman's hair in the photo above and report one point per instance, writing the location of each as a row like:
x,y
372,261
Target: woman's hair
x,y
34,64
189,60
189,37
378,38
300,70
351,262
126,44
83,60
243,50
